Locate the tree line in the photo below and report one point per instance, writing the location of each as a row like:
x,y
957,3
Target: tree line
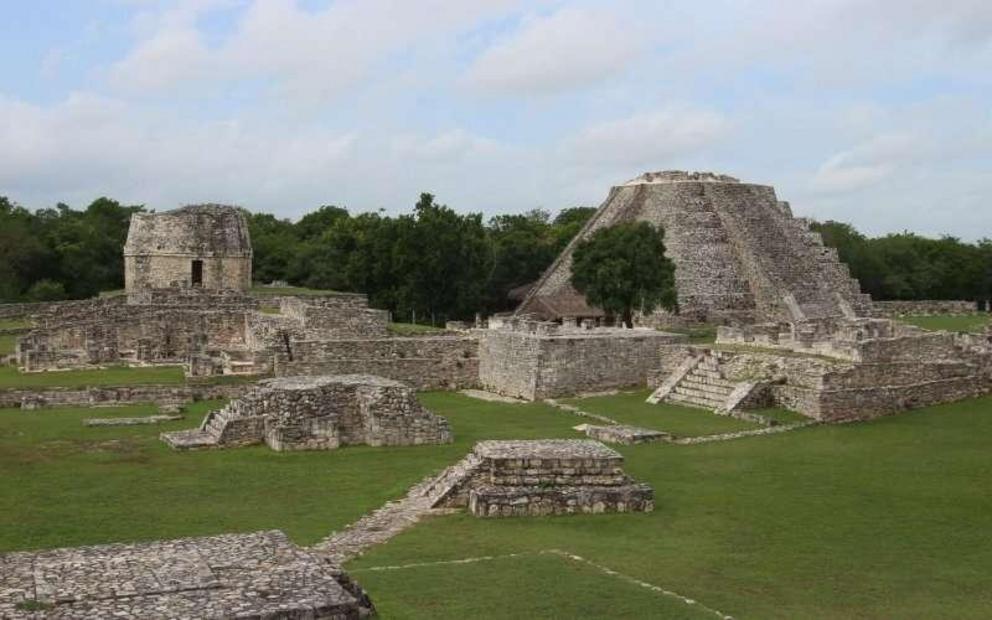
x,y
430,264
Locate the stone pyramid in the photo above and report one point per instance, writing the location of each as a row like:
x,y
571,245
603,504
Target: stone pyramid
x,y
740,256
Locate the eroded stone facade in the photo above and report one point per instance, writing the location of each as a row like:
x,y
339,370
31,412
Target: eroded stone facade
x,y
202,246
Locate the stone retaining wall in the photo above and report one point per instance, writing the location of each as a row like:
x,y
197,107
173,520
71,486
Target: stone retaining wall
x,y
427,362
108,396
897,308
536,365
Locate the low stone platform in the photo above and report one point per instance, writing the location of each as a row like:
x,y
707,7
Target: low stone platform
x,y
622,434
540,477
318,413
148,419
258,575
515,501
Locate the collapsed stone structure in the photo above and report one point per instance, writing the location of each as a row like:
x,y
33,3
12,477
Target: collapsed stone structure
x,y
540,477
258,575
740,257
199,246
318,413
831,370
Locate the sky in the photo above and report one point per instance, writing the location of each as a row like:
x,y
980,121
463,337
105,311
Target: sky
x,y
873,112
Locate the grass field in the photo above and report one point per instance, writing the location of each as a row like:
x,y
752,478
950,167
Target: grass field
x,y
951,322
631,408
413,329
14,323
887,519
8,342
288,290
114,375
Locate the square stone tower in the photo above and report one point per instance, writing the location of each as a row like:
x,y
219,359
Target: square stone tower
x,y
198,246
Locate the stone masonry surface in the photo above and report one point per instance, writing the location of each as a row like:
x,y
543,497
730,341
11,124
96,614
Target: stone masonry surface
x,y
319,413
534,361
204,246
250,576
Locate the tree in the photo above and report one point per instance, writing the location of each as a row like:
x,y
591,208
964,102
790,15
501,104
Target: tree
x,y
624,268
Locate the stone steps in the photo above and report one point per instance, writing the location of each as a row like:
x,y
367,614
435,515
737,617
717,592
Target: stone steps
x,y
450,479
191,439
687,401
696,396
717,391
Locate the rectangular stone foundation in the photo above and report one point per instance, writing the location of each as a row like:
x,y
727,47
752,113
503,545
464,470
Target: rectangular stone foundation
x,y
533,501
259,575
537,477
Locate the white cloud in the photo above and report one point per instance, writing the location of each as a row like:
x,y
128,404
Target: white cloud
x,y
648,139
866,164
88,146
303,53
565,50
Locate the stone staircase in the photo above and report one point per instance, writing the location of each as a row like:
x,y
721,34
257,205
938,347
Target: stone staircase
x,y
703,386
210,432
395,516
451,480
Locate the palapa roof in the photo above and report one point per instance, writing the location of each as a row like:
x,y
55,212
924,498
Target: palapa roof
x,y
195,230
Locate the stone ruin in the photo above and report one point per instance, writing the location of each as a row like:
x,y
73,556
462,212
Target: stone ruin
x,y
536,360
831,370
740,257
318,413
258,575
199,246
540,477
741,260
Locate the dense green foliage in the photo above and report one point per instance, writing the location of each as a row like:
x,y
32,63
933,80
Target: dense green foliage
x,y
908,266
623,269
428,265
893,513
61,253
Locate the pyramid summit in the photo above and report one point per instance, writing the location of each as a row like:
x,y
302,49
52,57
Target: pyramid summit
x,y
740,256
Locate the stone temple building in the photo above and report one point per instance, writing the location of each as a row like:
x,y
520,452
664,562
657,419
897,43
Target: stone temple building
x,y
198,246
740,257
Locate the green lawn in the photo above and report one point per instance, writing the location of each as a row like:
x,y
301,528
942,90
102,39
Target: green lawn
x,y
704,334
288,290
531,586
413,329
115,375
950,322
631,408
8,343
20,323
887,519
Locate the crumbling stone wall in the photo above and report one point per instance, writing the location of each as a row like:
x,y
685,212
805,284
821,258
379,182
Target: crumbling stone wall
x,y
894,309
322,413
535,361
117,395
433,362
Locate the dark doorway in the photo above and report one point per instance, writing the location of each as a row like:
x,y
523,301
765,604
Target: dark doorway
x,y
197,279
